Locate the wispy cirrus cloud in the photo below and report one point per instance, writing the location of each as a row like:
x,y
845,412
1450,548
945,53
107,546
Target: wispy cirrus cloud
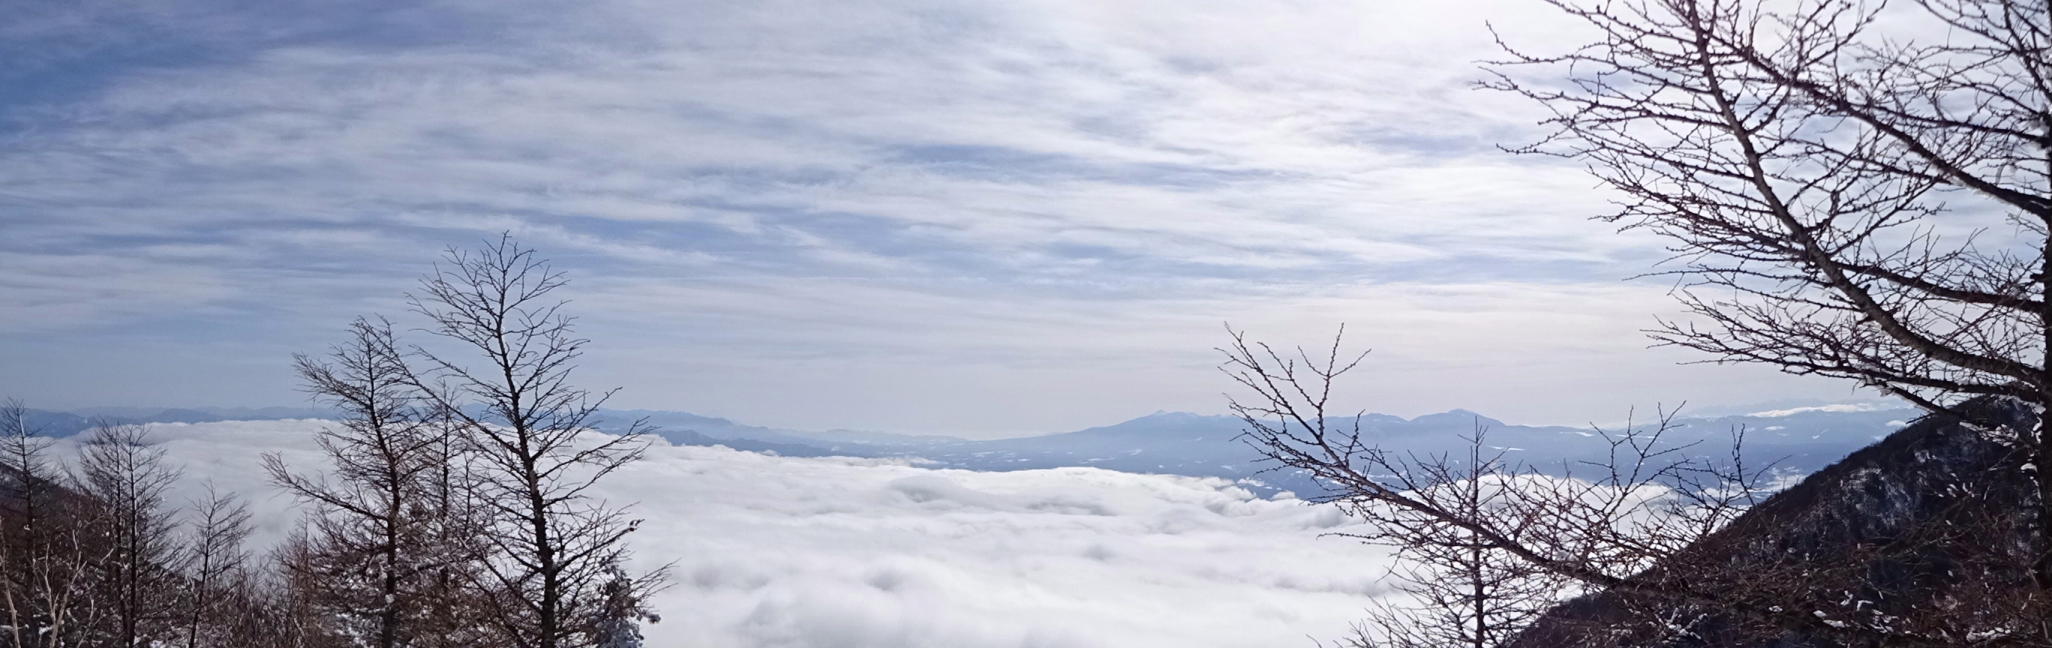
x,y
782,191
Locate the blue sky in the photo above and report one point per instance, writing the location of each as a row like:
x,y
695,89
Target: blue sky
x,y
960,217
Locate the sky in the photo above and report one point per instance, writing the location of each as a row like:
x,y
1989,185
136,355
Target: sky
x,y
969,218
780,552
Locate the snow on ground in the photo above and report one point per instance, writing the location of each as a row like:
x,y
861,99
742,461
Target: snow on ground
x,y
853,553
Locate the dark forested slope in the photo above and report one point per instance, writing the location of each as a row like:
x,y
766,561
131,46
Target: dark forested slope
x,y
1923,533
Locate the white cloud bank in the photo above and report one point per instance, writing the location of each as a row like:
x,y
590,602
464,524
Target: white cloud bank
x,y
848,553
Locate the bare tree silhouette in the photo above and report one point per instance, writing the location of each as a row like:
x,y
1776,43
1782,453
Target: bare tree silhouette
x,y
552,546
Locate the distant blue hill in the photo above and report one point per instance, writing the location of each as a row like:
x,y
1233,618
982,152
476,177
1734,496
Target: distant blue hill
x,y
669,422
1191,444
55,424
1798,440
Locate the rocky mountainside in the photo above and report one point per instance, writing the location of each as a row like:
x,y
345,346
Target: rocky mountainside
x,y
1921,532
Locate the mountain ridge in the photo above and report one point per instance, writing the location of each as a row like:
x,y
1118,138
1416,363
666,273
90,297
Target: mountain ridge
x,y
1188,443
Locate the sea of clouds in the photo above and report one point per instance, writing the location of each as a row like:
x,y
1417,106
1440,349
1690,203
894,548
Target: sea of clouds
x,y
793,552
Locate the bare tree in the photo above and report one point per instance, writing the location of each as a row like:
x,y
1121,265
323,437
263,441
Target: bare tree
x,y
1841,200
1649,520
1463,590
44,550
452,616
290,612
217,571
553,547
376,509
137,578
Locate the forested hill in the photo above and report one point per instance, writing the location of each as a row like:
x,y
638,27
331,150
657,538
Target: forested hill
x,y
1916,534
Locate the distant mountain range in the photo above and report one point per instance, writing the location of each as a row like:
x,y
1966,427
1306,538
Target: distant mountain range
x,y
67,423
1798,440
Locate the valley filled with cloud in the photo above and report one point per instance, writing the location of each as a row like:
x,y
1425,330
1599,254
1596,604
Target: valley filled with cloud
x,y
854,553
809,324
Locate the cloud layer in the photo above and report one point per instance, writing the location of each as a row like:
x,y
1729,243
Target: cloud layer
x,y
816,214
786,552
